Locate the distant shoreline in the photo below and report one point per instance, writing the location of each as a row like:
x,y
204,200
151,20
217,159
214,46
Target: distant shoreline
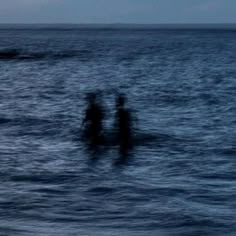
x,y
230,26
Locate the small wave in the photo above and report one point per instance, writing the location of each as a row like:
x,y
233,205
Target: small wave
x,y
4,120
43,178
26,121
101,190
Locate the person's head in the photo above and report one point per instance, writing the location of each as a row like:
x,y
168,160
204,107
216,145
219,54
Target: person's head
x,y
91,97
120,100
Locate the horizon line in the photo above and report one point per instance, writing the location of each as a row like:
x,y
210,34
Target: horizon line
x,y
113,23
122,25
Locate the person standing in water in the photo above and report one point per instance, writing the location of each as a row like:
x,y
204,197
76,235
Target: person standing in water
x,y
93,120
123,124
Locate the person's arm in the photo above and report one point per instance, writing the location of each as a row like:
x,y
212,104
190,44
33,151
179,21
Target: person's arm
x,y
134,120
86,118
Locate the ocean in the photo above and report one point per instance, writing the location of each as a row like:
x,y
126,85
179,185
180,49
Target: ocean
x,y
178,179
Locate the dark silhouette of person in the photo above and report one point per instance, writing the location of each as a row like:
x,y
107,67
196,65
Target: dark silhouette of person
x,y
123,124
93,120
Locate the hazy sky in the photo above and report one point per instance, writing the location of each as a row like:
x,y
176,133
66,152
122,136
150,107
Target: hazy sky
x,y
117,11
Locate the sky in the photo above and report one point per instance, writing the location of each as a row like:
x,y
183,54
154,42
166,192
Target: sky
x,y
118,11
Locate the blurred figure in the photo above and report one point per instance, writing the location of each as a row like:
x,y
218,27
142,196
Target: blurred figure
x,y
93,120
123,124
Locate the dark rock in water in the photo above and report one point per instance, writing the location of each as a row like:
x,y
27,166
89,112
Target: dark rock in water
x,y
9,54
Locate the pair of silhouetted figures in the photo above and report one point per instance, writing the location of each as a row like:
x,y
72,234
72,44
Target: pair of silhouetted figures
x,y
93,123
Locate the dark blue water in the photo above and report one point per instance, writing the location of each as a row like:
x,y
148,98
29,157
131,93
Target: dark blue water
x,y
179,179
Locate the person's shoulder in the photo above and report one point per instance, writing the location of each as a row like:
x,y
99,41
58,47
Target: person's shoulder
x,y
127,112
